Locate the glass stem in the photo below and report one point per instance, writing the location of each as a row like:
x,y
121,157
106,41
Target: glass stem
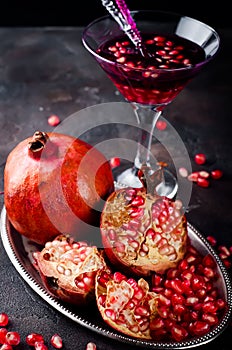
x,y
146,117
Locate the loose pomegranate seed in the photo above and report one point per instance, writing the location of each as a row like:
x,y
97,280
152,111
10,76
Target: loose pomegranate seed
x,y
56,341
223,249
6,347
227,263
200,158
34,337
204,174
4,319
161,125
53,120
216,174
3,332
39,345
202,182
183,172
91,346
114,162
12,338
212,240
193,176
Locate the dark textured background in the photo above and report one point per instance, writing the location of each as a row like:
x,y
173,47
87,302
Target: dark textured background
x,y
46,71
76,13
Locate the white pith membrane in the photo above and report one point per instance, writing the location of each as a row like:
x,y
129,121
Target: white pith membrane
x,y
144,232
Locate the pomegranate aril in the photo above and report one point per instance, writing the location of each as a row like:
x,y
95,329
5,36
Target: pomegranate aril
x,y
183,172
138,294
209,272
115,162
172,273
4,319
209,307
200,158
137,201
177,299
34,337
216,174
212,240
202,182
199,328
179,309
210,318
6,347
91,346
39,345
157,323
144,325
119,277
193,176
142,311
135,212
209,261
227,263
201,293
163,311
176,285
103,279
191,301
110,314
204,174
220,304
12,338
157,280
223,249
56,341
161,125
3,332
179,333
163,300
53,120
102,300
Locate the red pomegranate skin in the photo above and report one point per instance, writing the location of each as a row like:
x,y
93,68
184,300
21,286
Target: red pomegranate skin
x,y
57,189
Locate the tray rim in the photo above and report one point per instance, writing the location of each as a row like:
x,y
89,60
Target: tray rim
x,y
55,303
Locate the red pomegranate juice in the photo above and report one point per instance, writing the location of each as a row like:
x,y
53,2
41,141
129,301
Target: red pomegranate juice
x,y
154,80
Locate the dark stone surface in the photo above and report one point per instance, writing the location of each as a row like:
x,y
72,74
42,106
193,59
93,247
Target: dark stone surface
x,y
46,71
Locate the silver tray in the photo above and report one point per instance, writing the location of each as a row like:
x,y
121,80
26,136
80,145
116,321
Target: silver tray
x,y
19,251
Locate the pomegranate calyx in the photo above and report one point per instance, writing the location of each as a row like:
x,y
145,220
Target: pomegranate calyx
x,y
38,141
151,179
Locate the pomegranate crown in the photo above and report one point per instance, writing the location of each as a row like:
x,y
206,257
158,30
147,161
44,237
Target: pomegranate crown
x,y
38,141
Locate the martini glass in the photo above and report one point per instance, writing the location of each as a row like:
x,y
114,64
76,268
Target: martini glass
x,y
177,48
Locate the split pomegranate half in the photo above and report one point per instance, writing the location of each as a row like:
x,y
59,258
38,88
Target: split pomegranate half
x,y
143,231
125,304
68,269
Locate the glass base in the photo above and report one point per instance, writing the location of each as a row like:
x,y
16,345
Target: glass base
x,y
129,177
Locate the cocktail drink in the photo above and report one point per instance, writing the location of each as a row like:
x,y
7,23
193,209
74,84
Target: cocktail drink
x,y
176,48
140,79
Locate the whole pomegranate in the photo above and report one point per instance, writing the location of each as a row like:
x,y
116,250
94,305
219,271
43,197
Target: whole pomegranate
x,y
143,231
55,183
68,269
